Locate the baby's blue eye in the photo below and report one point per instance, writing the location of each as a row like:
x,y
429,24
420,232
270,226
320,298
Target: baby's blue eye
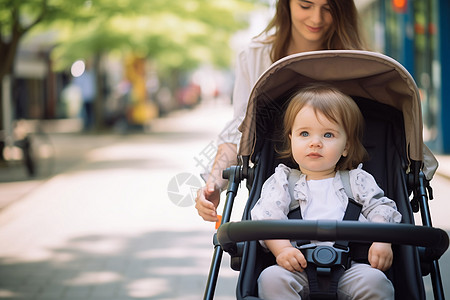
x,y
328,135
304,133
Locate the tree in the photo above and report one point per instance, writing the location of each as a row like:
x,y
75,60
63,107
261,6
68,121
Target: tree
x,y
18,18
178,34
14,25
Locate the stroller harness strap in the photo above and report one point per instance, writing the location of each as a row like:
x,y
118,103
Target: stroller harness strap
x,y
327,264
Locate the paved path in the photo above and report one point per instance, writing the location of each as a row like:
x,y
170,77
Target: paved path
x,y
105,228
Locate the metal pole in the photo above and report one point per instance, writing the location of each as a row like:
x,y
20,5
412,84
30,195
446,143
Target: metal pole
x,y
435,274
213,273
233,174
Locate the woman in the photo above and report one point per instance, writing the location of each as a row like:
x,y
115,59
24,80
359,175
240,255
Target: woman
x,y
298,26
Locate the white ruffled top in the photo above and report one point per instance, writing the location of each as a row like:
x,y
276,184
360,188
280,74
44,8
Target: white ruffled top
x,y
275,201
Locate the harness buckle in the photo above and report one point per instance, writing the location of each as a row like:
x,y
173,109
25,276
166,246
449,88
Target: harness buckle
x,y
325,257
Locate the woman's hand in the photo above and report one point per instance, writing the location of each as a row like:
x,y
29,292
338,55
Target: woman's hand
x,y
207,200
380,256
208,197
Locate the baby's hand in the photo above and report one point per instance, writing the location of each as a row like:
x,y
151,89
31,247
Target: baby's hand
x,y
291,259
381,256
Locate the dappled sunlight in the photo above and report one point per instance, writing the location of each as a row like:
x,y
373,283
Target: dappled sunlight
x,y
140,149
175,270
179,252
33,255
148,287
189,271
5,293
147,265
101,245
89,278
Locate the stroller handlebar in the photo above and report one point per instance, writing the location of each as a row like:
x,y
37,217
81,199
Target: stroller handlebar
x,y
434,239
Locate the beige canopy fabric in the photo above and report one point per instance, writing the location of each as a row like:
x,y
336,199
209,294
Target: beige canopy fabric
x,y
357,73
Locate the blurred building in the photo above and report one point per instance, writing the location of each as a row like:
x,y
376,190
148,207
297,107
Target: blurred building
x,y
416,33
34,84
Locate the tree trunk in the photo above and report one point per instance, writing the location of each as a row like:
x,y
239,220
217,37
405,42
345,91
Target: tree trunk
x,y
8,52
99,104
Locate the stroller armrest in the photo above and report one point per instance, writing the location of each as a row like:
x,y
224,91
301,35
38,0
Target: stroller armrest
x,y
432,238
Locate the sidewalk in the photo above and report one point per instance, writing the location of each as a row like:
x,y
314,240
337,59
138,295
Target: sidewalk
x,y
102,227
65,151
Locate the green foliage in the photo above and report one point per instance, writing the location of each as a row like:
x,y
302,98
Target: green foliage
x,y
175,34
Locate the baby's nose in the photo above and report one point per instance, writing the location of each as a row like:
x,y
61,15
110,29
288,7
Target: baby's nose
x,y
316,142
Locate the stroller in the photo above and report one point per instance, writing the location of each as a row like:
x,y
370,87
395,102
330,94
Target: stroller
x,y
401,164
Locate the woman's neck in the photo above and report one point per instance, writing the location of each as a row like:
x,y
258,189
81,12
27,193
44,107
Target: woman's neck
x,y
299,45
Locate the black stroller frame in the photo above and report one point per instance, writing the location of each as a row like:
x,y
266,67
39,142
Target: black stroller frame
x,y
366,76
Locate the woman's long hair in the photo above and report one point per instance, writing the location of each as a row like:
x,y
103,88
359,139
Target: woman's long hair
x,y
344,33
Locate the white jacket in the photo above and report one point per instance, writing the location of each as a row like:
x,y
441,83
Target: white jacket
x,y
250,65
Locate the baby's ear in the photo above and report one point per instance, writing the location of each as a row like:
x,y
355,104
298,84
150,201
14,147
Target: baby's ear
x,y
345,153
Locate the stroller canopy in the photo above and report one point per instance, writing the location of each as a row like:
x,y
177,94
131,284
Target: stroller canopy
x,y
363,74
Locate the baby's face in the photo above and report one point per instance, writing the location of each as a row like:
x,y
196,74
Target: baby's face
x,y
317,143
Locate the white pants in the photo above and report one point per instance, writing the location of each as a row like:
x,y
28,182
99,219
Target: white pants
x,y
361,282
